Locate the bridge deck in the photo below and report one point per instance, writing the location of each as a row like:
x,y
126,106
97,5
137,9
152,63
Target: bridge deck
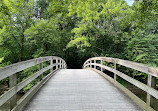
x,y
80,90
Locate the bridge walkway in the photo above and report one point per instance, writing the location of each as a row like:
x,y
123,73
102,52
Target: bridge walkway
x,y
80,90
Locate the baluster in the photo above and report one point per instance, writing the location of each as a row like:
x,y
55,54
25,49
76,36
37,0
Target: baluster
x,y
60,64
56,63
94,65
101,64
115,75
13,83
41,67
51,63
151,83
90,64
63,64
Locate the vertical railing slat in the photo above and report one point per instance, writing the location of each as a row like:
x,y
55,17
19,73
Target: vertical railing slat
x,y
151,83
56,63
51,63
13,83
101,64
94,65
115,75
41,67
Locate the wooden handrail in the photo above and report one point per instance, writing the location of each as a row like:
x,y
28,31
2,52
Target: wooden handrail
x,y
149,88
11,70
137,66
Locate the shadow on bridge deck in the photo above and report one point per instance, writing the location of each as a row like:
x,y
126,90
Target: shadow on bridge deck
x,y
80,90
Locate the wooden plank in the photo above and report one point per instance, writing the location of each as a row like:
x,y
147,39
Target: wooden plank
x,y
14,68
41,66
80,90
12,83
101,64
115,75
137,66
140,85
94,65
151,83
57,62
6,96
51,62
23,101
136,99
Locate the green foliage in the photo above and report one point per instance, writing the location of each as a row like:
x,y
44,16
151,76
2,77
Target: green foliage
x,y
77,30
1,59
142,46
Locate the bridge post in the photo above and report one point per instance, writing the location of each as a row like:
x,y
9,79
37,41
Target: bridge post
x,y
57,63
115,75
90,63
41,66
63,64
94,65
60,64
13,83
101,64
151,83
51,63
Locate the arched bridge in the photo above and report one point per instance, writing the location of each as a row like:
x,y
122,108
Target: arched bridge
x,y
92,88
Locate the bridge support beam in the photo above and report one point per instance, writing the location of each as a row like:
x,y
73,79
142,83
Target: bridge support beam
x,y
151,83
13,83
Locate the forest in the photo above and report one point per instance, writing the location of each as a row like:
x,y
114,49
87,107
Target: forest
x,y
77,30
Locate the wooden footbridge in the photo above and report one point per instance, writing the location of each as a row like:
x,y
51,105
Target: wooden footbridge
x,y
87,89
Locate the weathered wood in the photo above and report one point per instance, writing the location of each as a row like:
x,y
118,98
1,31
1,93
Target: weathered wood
x,y
101,64
41,66
136,99
137,66
115,75
12,83
57,62
151,71
95,65
140,85
17,67
80,90
51,63
60,63
14,87
151,83
14,68
23,101
6,96
90,63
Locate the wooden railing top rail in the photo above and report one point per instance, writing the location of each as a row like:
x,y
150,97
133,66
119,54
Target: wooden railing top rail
x,y
148,88
11,72
137,66
14,68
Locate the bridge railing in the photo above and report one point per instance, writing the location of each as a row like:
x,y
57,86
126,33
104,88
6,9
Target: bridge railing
x,y
11,71
148,88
